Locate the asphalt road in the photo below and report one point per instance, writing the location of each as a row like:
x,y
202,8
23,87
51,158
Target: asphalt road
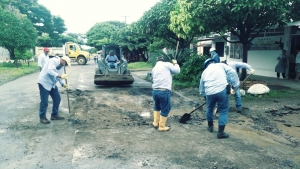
x,y
19,103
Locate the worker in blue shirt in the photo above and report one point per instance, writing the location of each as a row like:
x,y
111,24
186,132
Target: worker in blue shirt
x,y
214,55
162,87
112,59
214,83
237,95
52,73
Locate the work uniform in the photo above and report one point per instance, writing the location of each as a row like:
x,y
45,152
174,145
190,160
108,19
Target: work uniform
x,y
213,83
162,87
237,95
215,56
111,60
42,59
47,84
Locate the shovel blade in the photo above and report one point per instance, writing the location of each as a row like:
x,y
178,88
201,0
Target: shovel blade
x,y
185,118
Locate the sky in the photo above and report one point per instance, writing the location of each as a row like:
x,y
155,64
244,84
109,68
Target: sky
x,y
81,15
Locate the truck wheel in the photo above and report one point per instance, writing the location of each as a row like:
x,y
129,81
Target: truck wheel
x,y
81,60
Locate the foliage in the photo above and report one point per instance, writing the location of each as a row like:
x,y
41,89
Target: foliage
x,y
155,24
17,32
191,70
100,34
244,20
140,65
46,41
23,55
130,38
12,73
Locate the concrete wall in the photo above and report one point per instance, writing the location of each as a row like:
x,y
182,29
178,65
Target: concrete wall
x,y
3,54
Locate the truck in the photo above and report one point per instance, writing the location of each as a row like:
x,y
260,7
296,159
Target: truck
x,y
70,49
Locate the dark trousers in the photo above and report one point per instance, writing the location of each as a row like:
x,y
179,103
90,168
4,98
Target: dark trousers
x,y
278,75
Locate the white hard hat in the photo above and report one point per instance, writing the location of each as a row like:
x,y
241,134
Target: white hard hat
x,y
67,59
212,49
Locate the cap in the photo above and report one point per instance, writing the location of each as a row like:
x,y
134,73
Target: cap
x,y
46,50
67,59
111,51
212,49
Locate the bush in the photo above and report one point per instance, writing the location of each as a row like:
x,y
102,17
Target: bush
x,y
8,64
191,71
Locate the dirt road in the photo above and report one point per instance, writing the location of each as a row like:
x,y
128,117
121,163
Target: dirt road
x,y
110,127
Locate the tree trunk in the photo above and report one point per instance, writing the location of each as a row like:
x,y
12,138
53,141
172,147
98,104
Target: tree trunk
x,y
11,54
245,59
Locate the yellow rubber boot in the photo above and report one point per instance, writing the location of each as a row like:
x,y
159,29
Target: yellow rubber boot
x,y
162,124
156,115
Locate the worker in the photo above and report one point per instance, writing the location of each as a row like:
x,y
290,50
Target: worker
x,y
52,73
43,58
237,95
162,87
214,84
214,55
111,59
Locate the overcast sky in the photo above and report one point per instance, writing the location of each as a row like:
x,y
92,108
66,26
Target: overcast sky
x,y
81,15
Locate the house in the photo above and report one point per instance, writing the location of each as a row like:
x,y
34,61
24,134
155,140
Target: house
x,y
263,50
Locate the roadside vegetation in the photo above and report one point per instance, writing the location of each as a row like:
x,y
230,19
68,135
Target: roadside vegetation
x,y
10,71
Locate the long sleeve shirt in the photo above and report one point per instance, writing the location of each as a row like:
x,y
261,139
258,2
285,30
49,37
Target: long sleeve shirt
x,y
48,76
215,57
236,65
42,59
110,58
162,74
215,78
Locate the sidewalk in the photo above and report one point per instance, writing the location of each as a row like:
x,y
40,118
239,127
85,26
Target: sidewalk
x,y
275,83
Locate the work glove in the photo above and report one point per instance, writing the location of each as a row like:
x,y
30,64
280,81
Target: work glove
x,y
174,61
232,91
251,71
64,76
66,86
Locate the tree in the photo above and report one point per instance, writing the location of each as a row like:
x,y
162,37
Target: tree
x,y
155,23
244,19
17,32
100,34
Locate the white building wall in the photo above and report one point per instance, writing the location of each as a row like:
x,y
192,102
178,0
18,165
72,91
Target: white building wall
x,y
3,54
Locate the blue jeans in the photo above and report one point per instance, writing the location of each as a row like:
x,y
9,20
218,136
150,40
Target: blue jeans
x,y
222,99
44,95
112,63
162,101
238,98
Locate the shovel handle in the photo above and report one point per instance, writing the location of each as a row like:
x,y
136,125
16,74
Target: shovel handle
x,y
197,108
67,90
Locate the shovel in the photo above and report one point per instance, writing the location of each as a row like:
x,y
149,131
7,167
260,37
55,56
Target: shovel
x,y
187,116
67,90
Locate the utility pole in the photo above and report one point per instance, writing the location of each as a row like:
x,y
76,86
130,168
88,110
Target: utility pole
x,y
125,19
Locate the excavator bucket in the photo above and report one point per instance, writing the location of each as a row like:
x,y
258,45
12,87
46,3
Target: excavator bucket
x,y
110,75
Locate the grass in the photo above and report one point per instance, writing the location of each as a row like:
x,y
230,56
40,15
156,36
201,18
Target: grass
x,y
140,65
11,73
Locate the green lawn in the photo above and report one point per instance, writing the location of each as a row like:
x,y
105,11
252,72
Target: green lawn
x,y
11,72
140,65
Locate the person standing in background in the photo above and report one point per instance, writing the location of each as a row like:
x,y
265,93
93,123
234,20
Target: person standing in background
x,y
43,58
214,55
281,65
297,66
